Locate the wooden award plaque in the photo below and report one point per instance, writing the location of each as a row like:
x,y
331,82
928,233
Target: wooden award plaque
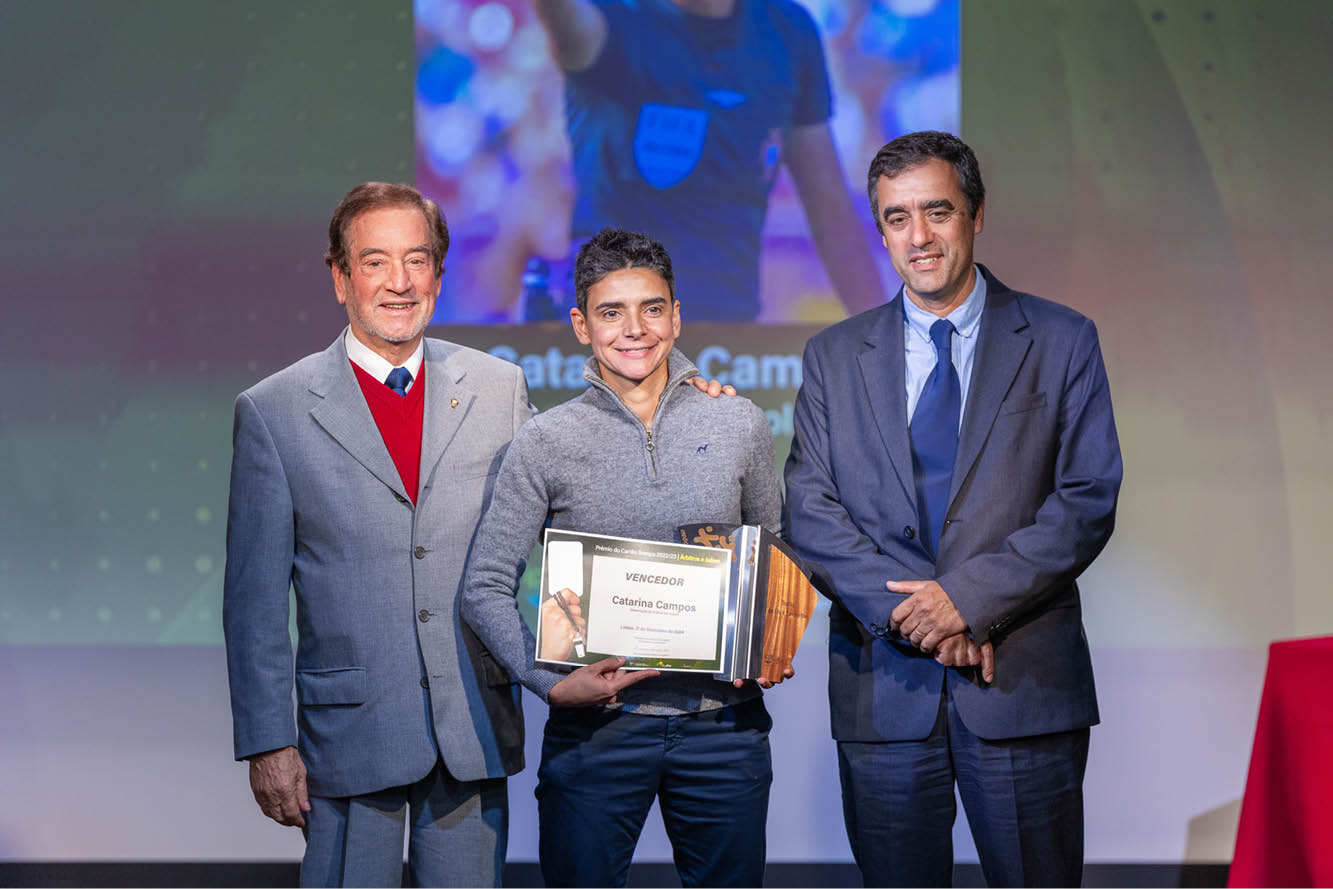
x,y
769,603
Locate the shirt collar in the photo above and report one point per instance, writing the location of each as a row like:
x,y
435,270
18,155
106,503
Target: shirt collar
x,y
965,318
372,363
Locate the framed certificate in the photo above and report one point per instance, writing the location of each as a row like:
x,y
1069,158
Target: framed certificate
x,y
658,605
730,600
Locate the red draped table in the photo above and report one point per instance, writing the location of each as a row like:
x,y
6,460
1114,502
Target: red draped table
x,y
1286,820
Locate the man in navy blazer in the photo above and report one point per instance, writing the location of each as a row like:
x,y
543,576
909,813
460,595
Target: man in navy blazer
x,y
399,708
955,468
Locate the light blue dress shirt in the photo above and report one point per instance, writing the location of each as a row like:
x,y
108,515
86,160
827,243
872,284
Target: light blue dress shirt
x,y
920,352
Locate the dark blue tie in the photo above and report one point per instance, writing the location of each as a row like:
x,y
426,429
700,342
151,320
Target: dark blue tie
x,y
398,380
934,432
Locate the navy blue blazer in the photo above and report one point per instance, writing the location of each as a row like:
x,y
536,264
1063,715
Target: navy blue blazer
x,y
1032,504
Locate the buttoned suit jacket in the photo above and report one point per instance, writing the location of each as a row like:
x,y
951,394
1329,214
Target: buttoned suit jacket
x,y
317,506
1031,504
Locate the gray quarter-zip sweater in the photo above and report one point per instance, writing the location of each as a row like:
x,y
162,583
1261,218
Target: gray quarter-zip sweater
x,y
590,465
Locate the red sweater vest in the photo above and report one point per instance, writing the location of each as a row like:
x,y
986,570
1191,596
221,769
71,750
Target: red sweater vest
x,y
399,419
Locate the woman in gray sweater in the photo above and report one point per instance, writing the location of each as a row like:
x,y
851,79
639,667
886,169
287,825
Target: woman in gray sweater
x,y
640,452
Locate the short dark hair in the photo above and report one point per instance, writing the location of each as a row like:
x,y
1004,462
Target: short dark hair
x,y
915,149
377,196
613,249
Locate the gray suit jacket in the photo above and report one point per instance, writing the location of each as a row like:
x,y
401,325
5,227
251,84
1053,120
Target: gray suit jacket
x,y
387,677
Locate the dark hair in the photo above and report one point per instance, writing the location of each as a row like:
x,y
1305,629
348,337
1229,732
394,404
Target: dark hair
x,y
613,249
915,149
377,196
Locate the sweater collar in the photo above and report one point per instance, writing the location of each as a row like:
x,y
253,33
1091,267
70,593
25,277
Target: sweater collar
x,y
679,369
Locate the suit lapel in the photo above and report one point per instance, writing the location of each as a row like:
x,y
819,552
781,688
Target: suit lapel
x,y
344,414
883,373
448,399
1000,352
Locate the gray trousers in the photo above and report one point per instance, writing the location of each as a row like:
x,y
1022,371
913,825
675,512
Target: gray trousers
x,y
457,832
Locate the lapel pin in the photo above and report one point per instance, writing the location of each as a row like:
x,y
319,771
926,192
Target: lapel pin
x,y
453,402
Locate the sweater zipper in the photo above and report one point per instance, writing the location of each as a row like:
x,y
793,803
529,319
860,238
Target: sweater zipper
x,y
672,383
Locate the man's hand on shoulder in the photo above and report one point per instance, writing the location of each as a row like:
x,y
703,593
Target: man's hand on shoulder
x,y
928,616
711,388
278,781
596,684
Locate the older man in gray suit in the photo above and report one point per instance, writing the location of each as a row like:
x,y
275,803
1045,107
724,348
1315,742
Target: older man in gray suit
x,y
358,477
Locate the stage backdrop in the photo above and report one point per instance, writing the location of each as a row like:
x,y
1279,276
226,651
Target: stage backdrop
x,y
168,173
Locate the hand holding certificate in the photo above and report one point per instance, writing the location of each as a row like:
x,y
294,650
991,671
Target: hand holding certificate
x,y
562,626
562,566
596,684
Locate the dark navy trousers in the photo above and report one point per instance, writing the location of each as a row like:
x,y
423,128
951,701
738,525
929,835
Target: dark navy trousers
x,y
1023,796
602,769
